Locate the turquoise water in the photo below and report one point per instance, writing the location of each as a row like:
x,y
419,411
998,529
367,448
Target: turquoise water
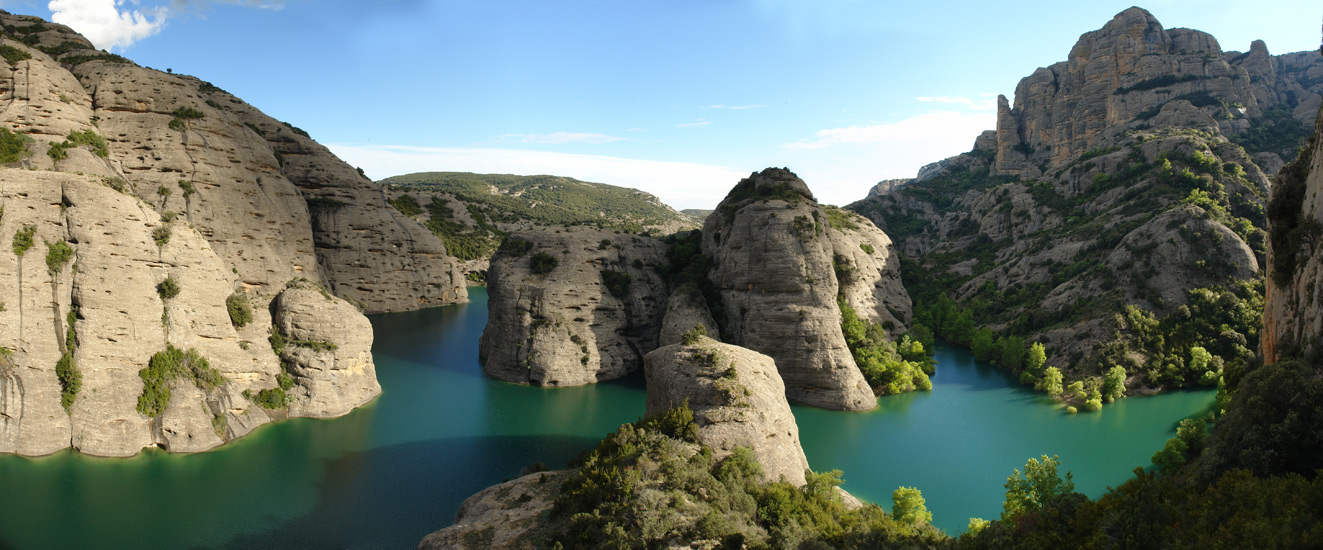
x,y
397,469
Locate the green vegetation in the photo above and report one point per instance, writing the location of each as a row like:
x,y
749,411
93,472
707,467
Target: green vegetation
x,y
650,482
544,200
57,254
270,398
889,368
461,241
75,60
1274,132
515,247
183,117
13,55
169,365
694,335
407,205
542,263
241,313
13,146
161,235
746,191
168,289
59,151
71,380
907,506
1040,483
23,239
616,282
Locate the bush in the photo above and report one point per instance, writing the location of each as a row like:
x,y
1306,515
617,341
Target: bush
x,y
617,283
542,263
23,239
161,234
168,289
13,55
271,398
57,255
1038,484
515,247
168,365
694,335
13,146
241,313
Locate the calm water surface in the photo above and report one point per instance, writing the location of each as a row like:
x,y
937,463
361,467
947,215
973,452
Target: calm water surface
x,y
389,473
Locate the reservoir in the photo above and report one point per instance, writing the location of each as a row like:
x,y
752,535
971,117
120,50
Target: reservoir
x,y
389,473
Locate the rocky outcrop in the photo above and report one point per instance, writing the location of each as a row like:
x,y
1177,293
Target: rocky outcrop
x,y
686,308
886,186
500,517
1112,182
1293,305
328,350
572,306
174,182
780,261
738,400
1118,77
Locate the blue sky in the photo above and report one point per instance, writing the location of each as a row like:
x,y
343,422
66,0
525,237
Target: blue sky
x,y
679,97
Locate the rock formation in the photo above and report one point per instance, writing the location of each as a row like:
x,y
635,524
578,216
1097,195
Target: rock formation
x,y
1127,175
780,261
1293,313
589,313
738,400
164,207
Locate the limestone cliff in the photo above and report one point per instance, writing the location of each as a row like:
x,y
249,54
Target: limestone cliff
x,y
170,214
780,260
1293,308
572,306
738,400
1126,176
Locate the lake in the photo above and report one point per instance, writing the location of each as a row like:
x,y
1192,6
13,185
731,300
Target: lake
x,y
391,472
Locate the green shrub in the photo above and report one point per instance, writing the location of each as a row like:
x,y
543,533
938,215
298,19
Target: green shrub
x,y
161,234
13,55
542,263
867,248
168,289
13,146
57,254
407,205
241,313
617,283
515,247
23,239
694,335
271,398
168,365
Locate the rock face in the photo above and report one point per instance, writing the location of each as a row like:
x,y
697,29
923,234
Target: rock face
x,y
500,517
1120,177
780,261
328,350
685,309
589,318
738,400
1293,309
176,180
1120,75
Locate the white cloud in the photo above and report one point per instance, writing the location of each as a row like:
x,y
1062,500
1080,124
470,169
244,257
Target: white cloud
x,y
102,21
678,184
734,107
700,122
979,104
841,164
108,26
559,137
926,128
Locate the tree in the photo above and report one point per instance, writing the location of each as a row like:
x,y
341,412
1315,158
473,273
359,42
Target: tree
x,y
1051,381
1076,390
1036,359
1199,359
1114,383
984,345
1039,483
907,506
1012,352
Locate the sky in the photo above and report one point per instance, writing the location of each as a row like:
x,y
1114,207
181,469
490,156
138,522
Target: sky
x,y
680,98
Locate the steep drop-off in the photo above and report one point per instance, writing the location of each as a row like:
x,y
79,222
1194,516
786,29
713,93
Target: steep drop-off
x,y
149,220
1118,211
